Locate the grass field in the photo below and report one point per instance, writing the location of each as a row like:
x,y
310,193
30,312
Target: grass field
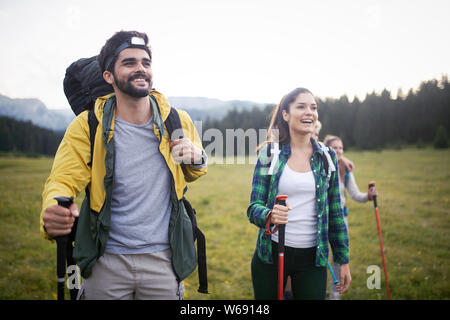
x,y
414,195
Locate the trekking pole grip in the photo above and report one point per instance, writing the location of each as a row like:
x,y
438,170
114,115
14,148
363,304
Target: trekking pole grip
x,y
281,200
372,185
61,247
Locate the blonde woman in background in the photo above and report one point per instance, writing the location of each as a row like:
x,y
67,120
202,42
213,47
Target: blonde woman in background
x,y
346,181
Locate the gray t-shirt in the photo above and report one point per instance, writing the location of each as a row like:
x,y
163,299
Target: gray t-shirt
x,y
140,207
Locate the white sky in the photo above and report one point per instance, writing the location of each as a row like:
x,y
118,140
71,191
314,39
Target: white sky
x,y
232,49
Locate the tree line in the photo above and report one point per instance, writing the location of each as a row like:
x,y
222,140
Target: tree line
x,y
23,136
420,117
379,121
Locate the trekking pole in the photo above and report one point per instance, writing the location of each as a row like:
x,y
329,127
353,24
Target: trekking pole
x,y
371,185
62,243
335,281
281,200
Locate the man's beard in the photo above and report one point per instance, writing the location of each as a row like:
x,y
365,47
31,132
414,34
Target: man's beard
x,y
126,86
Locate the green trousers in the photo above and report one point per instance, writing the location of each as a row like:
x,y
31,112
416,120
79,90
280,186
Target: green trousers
x,y
308,281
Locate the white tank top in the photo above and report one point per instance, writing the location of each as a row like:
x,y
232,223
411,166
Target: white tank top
x,y
301,229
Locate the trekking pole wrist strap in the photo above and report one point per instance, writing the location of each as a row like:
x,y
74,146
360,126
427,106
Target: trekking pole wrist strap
x,y
267,230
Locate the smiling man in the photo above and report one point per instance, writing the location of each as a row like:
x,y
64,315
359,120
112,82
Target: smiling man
x,y
132,239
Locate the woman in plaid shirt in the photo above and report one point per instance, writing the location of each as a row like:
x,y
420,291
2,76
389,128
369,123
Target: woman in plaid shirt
x,y
313,207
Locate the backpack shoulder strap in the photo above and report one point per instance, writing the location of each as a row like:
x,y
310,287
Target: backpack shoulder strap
x,y
93,124
201,248
325,162
326,159
269,150
173,123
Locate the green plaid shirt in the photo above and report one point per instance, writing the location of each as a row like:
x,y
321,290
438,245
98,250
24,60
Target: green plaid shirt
x,y
330,219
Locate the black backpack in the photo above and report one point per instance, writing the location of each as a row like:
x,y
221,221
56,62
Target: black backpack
x,y
83,84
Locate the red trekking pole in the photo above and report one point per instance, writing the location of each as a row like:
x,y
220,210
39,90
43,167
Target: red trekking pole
x,y
281,200
371,185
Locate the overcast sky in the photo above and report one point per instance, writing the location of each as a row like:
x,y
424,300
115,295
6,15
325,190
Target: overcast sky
x,y
232,49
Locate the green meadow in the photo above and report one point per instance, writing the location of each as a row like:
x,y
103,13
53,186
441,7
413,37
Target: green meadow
x,y
414,194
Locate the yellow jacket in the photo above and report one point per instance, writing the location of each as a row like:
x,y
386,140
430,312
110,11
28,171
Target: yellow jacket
x,y
71,172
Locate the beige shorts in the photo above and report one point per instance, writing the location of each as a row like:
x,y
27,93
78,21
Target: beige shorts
x,y
133,276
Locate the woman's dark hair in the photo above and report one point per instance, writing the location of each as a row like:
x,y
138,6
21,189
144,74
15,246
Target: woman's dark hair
x,y
277,123
114,42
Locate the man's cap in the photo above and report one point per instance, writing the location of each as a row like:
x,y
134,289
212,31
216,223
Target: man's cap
x,y
133,42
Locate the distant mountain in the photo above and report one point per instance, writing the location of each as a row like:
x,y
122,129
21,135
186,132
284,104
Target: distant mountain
x,y
35,111
199,108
